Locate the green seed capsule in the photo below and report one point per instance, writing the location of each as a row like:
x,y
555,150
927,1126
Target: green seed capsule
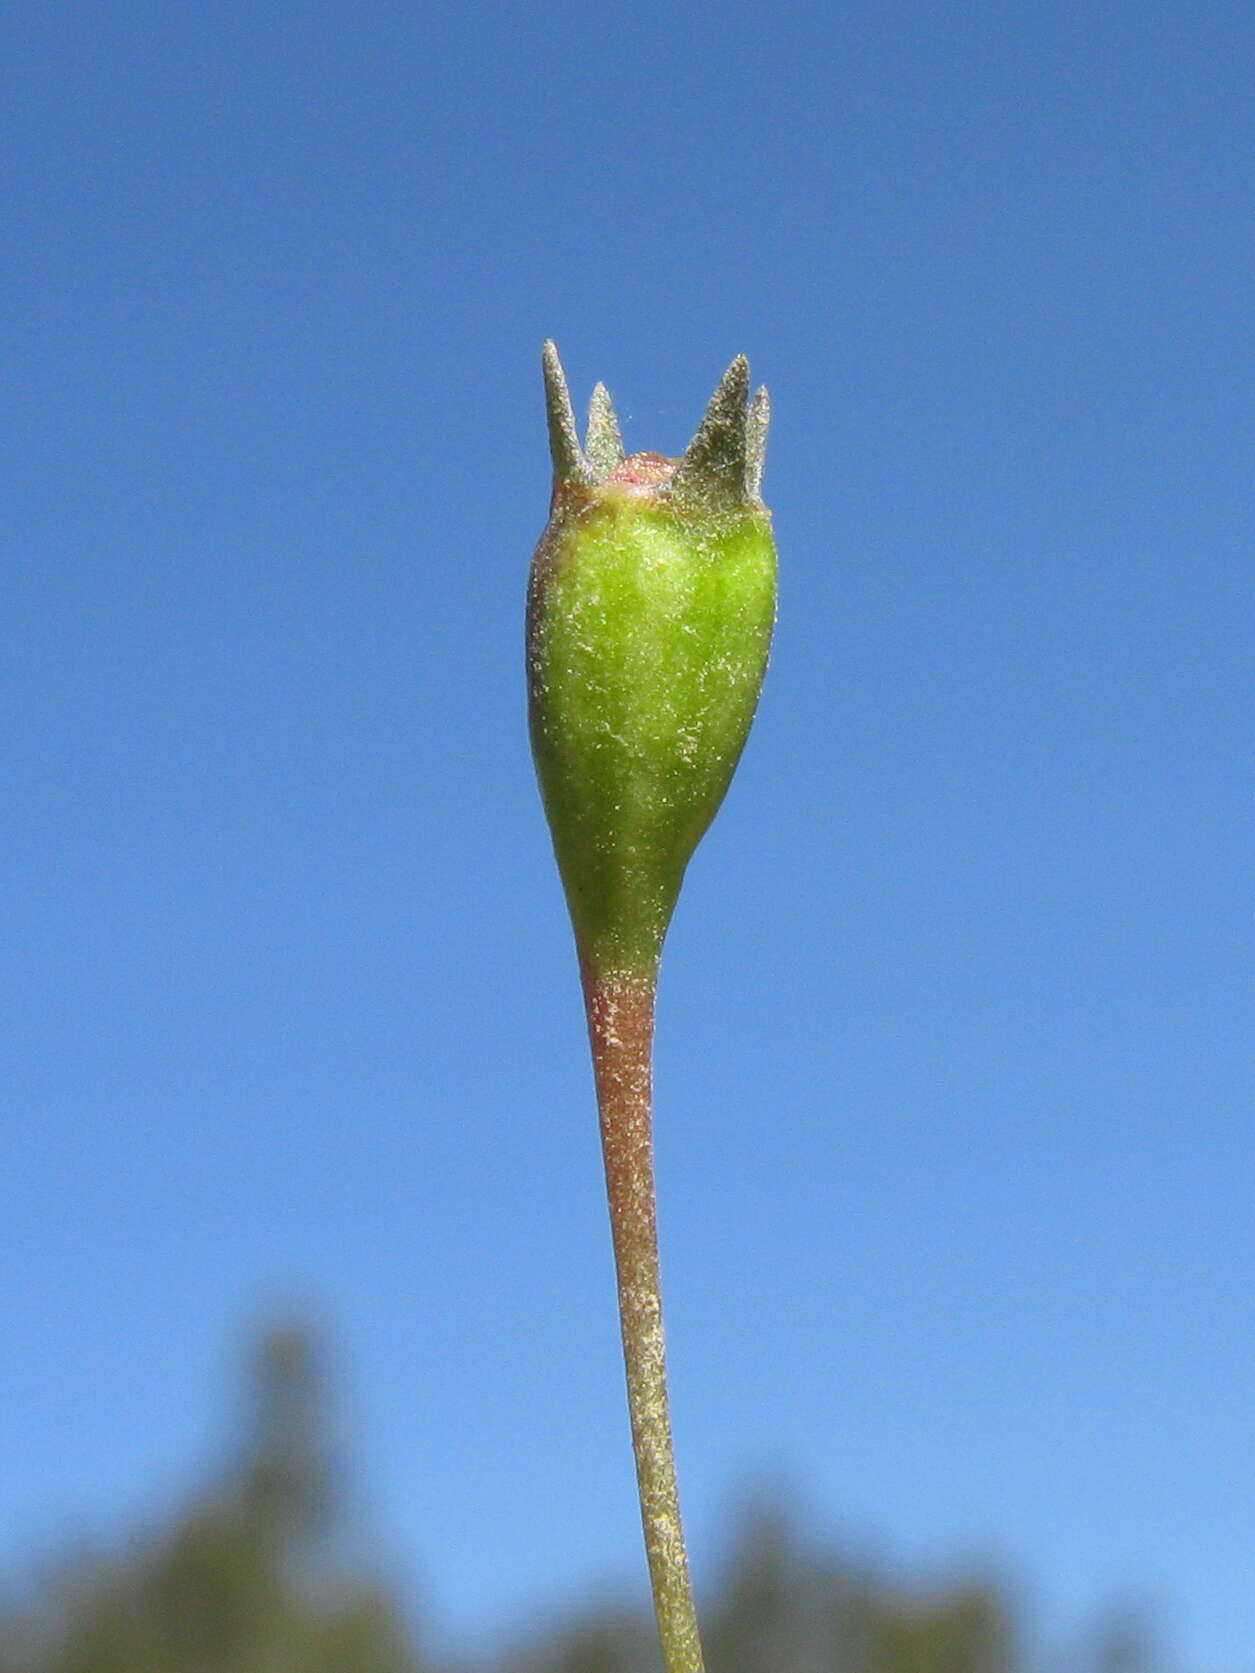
x,y
650,612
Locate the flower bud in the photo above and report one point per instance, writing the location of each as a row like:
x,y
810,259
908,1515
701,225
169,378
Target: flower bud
x,y
650,612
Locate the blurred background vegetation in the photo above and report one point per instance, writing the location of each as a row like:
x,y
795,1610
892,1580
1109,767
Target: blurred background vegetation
x,y
257,1575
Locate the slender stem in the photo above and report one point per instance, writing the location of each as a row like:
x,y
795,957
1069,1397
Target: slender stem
x,y
621,1030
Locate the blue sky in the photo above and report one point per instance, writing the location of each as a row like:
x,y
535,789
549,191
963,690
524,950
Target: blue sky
x,y
955,1063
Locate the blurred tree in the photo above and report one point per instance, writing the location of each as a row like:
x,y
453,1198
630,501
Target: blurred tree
x,y
1120,1643
254,1578
783,1607
608,1640
789,1609
244,1582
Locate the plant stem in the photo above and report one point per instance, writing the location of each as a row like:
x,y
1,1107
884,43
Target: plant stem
x,y
620,1010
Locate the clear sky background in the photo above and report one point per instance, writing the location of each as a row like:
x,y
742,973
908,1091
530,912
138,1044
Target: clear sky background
x,y
955,1067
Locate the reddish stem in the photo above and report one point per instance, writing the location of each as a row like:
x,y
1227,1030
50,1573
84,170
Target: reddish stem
x,y
620,1010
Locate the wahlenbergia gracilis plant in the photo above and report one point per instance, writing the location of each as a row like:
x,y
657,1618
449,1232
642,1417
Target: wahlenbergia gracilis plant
x,y
649,620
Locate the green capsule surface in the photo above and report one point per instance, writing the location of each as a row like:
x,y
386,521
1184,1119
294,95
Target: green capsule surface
x,y
650,614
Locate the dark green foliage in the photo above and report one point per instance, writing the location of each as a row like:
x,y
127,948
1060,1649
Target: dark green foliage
x,y
254,1578
782,1607
244,1581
